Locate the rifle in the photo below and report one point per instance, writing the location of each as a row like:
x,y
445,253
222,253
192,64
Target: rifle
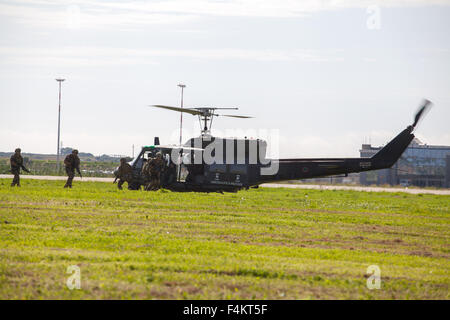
x,y
25,169
18,168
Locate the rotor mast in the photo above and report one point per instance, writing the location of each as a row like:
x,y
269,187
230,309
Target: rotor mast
x,y
205,130
205,115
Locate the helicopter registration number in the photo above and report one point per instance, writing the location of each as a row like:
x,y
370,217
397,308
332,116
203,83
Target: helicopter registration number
x,y
228,183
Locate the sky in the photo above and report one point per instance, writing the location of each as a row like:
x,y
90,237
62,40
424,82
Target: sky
x,y
320,77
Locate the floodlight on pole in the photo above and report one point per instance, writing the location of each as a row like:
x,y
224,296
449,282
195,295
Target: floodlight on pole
x,y
60,80
182,86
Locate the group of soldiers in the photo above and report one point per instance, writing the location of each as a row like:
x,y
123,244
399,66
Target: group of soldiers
x,y
151,170
71,163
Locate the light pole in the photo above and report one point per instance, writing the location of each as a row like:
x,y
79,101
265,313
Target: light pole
x,y
60,80
182,86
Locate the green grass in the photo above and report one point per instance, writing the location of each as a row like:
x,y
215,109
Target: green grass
x,y
263,243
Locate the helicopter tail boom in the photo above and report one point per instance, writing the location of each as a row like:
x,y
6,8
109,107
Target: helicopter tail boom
x,y
292,169
389,154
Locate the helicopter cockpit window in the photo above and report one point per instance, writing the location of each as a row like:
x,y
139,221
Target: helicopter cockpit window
x,y
148,155
186,158
167,159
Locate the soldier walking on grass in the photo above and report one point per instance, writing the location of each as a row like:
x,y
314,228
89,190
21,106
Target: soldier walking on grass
x,y
124,173
72,162
16,161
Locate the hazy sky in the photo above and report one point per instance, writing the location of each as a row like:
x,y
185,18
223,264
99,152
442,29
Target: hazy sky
x,y
327,75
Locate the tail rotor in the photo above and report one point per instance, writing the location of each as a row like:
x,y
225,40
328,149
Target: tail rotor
x,y
423,109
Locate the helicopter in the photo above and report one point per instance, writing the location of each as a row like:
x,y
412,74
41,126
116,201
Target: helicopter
x,y
213,164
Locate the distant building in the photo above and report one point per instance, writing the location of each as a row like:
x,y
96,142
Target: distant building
x,y
420,165
447,172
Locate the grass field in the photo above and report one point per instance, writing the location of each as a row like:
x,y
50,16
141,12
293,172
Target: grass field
x,y
263,243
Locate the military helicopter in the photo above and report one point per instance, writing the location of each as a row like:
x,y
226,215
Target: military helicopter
x,y
213,164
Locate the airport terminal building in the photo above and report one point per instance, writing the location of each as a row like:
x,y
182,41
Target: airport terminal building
x,y
421,165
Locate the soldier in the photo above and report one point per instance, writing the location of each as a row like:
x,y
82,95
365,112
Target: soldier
x,y
17,163
124,173
146,171
155,167
72,162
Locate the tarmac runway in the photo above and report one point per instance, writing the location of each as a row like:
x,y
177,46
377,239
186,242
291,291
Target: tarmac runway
x,y
267,185
359,188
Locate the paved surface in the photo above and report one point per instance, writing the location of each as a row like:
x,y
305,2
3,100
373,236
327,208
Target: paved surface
x,y
267,185
356,188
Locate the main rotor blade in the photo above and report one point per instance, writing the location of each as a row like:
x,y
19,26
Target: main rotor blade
x,y
422,110
233,116
187,110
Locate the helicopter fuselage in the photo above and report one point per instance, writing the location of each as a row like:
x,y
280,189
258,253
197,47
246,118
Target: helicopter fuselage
x,y
212,164
220,164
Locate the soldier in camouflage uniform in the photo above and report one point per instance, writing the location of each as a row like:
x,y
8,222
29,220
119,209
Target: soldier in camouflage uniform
x,y
145,171
124,173
72,162
154,168
17,163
